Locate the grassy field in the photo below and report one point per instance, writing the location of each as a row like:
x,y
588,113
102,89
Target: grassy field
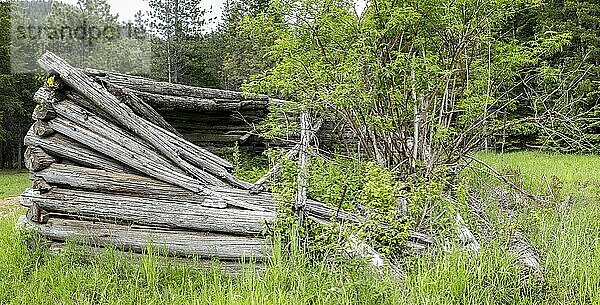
x,y
569,240
12,183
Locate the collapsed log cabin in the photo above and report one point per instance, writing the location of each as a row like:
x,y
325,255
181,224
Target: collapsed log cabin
x,y
108,169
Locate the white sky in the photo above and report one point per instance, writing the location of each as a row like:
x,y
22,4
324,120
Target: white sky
x,y
128,8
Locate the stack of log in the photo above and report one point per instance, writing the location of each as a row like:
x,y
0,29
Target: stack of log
x,y
210,118
108,169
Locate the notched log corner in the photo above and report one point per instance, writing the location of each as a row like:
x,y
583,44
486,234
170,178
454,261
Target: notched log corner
x,y
36,159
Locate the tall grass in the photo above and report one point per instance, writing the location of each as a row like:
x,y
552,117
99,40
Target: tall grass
x,y
569,240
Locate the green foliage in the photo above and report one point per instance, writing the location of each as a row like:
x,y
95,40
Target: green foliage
x,y
392,69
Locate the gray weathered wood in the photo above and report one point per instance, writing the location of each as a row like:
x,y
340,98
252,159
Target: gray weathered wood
x,y
150,212
128,184
63,147
164,88
305,138
140,107
43,112
231,268
164,141
36,214
42,129
466,236
169,242
93,131
37,159
169,102
261,184
526,254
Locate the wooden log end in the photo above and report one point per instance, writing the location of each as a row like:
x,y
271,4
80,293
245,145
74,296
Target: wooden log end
x,y
36,159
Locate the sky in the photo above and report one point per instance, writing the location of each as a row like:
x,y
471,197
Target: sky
x,y
128,8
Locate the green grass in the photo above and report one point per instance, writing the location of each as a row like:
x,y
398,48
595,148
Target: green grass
x,y
12,183
569,240
578,174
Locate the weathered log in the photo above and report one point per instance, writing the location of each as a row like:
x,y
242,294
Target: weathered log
x,y
140,107
91,130
37,159
44,112
174,243
63,147
36,214
156,87
261,184
99,122
169,102
362,250
149,212
305,139
466,236
107,182
39,183
526,254
228,267
186,155
42,129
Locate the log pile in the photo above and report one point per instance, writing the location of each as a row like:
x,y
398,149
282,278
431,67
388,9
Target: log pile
x,y
211,118
107,168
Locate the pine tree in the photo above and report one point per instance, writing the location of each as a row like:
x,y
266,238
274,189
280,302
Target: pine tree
x,y
175,23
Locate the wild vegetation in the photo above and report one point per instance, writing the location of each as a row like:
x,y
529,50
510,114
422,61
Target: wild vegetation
x,y
569,237
417,90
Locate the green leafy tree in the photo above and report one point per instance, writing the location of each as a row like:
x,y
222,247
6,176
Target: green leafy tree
x,y
419,82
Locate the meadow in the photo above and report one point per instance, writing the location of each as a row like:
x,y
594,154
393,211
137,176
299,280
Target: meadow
x,y
568,239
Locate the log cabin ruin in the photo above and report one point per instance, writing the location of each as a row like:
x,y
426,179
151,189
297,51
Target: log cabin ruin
x,y
119,160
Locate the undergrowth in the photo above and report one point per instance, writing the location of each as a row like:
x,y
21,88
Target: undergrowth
x,y
567,236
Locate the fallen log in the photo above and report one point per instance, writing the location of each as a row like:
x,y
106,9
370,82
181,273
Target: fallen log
x,y
172,243
91,130
184,154
466,236
140,107
527,256
37,159
63,147
147,211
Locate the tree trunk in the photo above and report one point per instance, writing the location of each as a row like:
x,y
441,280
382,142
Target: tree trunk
x,y
305,138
